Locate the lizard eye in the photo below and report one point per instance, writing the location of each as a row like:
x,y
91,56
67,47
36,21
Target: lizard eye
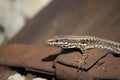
x,y
56,40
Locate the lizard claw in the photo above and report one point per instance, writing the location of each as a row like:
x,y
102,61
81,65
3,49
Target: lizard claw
x,y
81,63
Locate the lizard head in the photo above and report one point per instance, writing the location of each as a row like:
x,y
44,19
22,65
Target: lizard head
x,y
58,42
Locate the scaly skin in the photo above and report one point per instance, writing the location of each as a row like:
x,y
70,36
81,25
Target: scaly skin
x,y
83,43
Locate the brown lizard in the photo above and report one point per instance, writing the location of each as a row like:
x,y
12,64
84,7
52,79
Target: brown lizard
x,y
84,43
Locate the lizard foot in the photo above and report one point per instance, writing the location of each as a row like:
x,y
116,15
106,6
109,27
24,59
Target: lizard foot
x,y
81,63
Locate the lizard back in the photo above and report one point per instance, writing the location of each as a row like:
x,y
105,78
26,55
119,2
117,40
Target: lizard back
x,y
89,42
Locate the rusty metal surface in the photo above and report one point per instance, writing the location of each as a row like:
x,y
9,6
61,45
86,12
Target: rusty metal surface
x,y
99,18
42,60
94,56
28,57
105,68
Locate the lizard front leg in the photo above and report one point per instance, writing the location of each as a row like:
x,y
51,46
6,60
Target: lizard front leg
x,y
82,61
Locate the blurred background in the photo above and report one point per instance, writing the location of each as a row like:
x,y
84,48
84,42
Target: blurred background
x,y
15,13
33,21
